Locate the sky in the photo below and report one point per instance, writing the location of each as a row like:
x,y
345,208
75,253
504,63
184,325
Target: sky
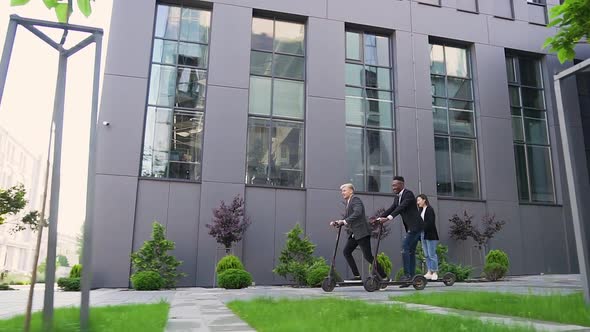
x,y
27,103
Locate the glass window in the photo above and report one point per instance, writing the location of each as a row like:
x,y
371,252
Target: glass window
x,y
454,122
456,62
176,102
443,166
369,111
286,162
167,22
355,151
464,159
530,72
353,42
531,140
289,37
260,95
380,154
194,25
277,93
541,177
288,98
289,66
262,34
261,63
190,88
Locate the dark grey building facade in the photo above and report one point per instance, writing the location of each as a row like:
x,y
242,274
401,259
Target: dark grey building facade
x,y
281,102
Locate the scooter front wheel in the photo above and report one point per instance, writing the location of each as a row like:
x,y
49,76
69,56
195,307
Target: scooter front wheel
x,y
449,279
371,284
328,284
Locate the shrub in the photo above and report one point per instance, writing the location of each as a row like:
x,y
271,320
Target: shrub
x,y
229,262
147,280
76,271
296,257
384,262
5,287
497,265
152,256
461,272
317,272
69,284
229,223
234,279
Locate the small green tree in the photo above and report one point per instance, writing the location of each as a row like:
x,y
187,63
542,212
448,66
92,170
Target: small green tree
x,y
572,18
296,257
62,261
63,8
12,202
152,256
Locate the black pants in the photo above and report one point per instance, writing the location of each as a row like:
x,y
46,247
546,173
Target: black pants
x,y
365,244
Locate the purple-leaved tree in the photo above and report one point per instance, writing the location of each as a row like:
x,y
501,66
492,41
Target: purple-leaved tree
x,y
229,223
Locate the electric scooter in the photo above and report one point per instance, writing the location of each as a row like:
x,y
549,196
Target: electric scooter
x,y
419,282
330,282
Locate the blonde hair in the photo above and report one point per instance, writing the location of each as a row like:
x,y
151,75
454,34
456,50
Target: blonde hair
x,y
347,185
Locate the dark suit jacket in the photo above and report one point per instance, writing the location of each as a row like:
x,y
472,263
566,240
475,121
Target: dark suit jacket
x,y
408,210
356,219
430,232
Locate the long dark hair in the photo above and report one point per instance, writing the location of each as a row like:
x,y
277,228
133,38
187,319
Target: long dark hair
x,y
425,198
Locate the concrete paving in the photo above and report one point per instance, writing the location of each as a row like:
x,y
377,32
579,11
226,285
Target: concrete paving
x,y
203,309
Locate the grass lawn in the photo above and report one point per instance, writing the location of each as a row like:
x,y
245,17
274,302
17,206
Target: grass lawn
x,y
568,309
123,318
346,315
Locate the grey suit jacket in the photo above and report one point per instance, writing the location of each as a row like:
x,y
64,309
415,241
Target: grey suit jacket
x,y
357,220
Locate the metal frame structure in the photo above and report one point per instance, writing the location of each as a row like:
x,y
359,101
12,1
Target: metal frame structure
x,y
57,119
571,176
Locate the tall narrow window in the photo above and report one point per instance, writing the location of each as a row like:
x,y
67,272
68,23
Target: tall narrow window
x,y
277,104
529,123
369,111
176,103
455,135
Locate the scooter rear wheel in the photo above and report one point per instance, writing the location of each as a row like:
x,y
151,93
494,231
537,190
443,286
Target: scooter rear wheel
x,y
370,284
449,279
328,284
419,282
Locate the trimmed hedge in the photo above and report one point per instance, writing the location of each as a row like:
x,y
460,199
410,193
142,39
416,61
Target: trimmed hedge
x,y
497,265
147,280
69,284
234,279
229,262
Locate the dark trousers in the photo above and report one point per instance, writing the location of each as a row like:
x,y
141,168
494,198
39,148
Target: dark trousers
x,y
365,244
409,252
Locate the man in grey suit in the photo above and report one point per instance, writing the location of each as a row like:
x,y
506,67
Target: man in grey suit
x,y
356,219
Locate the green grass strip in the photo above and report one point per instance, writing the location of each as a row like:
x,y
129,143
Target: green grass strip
x,y
560,308
119,318
339,315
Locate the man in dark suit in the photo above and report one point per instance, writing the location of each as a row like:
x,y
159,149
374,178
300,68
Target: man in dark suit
x,y
404,204
356,219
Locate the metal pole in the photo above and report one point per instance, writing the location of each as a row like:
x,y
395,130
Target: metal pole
x,y
579,233
6,53
88,223
58,111
27,326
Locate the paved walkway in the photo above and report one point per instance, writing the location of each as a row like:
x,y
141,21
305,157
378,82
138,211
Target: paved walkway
x,y
203,309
